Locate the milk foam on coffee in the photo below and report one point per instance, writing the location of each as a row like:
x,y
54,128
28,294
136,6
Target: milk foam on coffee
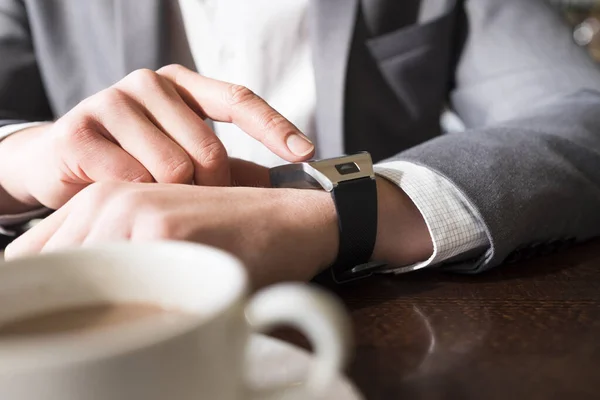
x,y
87,318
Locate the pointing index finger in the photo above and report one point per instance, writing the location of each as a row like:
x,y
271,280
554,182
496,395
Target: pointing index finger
x,y
237,104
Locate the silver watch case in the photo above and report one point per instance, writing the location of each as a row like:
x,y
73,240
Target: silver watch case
x,y
323,174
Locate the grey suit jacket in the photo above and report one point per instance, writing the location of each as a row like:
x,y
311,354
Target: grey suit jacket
x,y
529,162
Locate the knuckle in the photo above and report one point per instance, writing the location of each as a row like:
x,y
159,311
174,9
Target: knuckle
x,y
143,81
113,98
273,124
158,225
238,94
140,175
96,193
212,154
162,228
178,170
74,131
107,99
131,201
142,75
172,69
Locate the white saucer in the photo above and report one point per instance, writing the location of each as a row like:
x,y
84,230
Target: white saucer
x,y
274,363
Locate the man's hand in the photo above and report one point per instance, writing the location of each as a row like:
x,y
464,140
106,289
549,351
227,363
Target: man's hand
x,y
247,173
280,234
149,127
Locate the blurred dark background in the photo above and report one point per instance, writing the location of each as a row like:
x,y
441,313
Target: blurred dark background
x,y
584,16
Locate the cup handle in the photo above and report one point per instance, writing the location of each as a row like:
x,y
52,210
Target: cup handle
x,y
315,313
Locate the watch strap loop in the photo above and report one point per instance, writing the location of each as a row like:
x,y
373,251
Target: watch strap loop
x,y
356,205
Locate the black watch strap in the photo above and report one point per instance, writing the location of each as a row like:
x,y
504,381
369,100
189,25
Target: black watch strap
x,y
356,205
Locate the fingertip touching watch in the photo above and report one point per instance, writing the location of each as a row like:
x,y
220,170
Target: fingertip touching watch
x,y
351,182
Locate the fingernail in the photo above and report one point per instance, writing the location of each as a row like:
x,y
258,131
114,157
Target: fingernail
x,y
299,144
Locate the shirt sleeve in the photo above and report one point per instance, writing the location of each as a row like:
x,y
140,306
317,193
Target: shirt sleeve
x,y
16,219
10,129
454,225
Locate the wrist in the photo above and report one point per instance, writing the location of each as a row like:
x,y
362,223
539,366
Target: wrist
x,y
315,212
402,234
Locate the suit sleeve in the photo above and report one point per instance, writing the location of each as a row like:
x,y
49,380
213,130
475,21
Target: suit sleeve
x,y
529,161
22,94
455,228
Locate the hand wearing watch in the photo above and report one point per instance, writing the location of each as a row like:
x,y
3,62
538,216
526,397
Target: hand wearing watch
x,y
351,182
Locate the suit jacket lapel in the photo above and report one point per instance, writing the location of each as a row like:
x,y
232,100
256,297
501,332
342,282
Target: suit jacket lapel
x,y
332,26
140,27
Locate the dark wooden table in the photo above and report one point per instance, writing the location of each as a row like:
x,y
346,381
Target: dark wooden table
x,y
524,331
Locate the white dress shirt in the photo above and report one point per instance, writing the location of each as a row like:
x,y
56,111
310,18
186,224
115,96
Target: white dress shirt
x,y
261,44
264,45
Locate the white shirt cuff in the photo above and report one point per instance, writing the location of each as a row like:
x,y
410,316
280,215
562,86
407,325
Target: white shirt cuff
x,y
10,129
454,225
16,219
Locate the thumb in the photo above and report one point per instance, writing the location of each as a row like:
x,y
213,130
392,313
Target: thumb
x,y
246,173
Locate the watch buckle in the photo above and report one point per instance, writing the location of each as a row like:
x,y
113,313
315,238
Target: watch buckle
x,y
358,272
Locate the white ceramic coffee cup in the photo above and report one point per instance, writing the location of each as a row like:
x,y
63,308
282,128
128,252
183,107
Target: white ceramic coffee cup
x,y
200,357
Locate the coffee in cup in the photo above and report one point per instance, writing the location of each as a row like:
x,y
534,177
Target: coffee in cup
x,y
151,321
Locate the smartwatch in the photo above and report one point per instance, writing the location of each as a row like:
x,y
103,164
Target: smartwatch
x,y
351,182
